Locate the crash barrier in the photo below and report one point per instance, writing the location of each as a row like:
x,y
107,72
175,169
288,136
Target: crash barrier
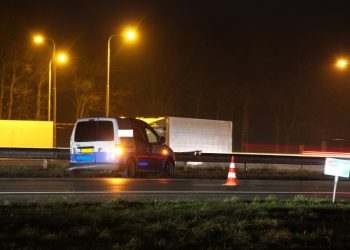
x,y
195,156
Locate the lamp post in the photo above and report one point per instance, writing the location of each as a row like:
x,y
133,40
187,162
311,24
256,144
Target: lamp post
x,y
49,94
108,72
130,35
38,39
61,57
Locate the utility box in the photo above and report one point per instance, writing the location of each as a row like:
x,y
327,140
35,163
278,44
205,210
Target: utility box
x,y
26,134
189,134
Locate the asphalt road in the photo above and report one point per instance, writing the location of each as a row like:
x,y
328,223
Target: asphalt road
x,y
95,189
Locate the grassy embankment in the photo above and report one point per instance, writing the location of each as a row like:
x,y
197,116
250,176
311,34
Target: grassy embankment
x,y
221,224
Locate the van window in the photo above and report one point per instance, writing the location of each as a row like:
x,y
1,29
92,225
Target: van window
x,y
152,137
94,131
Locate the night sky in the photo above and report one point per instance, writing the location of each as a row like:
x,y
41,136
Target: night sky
x,y
266,65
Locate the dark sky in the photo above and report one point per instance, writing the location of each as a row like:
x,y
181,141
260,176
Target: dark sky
x,y
84,26
276,48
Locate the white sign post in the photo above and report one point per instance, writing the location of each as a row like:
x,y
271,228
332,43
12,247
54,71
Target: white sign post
x,y
337,168
335,187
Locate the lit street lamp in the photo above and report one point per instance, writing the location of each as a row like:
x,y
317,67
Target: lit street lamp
x,y
130,35
342,63
38,39
61,58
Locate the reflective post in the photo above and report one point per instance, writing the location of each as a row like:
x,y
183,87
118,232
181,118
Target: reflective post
x,y
335,187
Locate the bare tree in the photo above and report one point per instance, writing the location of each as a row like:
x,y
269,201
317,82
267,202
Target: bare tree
x,y
86,99
16,72
40,78
2,94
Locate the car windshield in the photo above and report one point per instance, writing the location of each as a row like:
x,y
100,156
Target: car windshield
x,y
94,131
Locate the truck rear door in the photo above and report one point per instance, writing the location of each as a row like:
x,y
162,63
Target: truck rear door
x,y
93,141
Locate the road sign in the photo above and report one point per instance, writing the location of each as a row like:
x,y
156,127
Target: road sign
x,y
337,167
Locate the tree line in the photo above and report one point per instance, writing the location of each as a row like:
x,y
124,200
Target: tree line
x,y
268,104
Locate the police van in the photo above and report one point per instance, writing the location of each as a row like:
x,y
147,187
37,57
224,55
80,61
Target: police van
x,y
125,145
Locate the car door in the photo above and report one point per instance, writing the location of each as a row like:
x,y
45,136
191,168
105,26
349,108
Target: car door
x,y
142,149
154,148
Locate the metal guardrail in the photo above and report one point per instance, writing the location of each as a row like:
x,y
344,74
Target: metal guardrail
x,y
63,154
35,153
253,158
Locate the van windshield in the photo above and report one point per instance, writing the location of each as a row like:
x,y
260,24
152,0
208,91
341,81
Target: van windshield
x,y
94,131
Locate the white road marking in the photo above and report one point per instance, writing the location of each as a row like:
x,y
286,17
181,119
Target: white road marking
x,y
169,192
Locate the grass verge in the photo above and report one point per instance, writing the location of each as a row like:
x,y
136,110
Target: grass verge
x,y
298,223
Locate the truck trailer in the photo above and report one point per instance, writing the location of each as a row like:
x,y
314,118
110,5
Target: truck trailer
x,y
194,135
26,134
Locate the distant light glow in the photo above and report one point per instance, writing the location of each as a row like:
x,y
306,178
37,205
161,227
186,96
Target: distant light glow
x,y
342,63
130,34
38,39
62,57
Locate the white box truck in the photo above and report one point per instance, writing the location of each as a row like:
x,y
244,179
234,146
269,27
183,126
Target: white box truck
x,y
189,134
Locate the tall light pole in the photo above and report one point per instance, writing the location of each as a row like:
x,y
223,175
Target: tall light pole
x,y
61,57
49,94
108,72
38,39
129,35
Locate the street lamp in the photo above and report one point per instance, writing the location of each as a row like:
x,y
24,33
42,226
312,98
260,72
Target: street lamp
x,y
39,39
56,58
129,35
342,63
62,57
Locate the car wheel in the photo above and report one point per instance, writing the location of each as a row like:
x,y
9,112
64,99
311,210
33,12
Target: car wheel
x,y
170,168
131,169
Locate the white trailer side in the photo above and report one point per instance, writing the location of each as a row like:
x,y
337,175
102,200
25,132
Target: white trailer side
x,y
190,134
208,136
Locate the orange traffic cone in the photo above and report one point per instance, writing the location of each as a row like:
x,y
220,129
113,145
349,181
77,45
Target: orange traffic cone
x,y
231,177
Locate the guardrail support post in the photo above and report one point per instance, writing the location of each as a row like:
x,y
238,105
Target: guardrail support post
x,y
45,163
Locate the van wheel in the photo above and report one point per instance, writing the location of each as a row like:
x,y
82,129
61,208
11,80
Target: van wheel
x,y
170,168
131,169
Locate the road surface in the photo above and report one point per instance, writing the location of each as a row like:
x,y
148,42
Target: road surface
x,y
95,189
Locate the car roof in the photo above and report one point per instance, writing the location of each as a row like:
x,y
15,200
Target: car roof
x,y
121,120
